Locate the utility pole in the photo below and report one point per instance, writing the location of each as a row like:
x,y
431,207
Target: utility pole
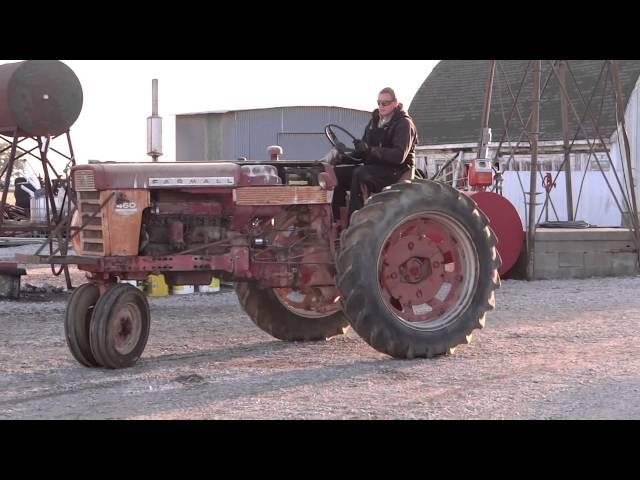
x,y
565,133
533,136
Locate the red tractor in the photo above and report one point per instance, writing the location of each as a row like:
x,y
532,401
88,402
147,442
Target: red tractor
x,y
414,273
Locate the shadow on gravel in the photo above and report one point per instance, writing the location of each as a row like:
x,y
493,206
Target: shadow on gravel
x,y
208,394
96,392
223,354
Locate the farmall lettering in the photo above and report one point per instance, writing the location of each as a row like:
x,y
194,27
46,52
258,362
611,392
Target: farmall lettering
x,y
124,206
192,182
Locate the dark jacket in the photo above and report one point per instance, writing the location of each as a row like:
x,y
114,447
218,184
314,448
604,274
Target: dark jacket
x,y
394,143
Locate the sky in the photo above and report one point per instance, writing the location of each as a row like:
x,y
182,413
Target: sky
x,y
117,94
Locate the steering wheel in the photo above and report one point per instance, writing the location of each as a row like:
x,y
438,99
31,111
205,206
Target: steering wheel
x,y
333,140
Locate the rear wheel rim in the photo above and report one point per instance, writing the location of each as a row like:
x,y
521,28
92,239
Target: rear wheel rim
x,y
311,302
427,271
307,302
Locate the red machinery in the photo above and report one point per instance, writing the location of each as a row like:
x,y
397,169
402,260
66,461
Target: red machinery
x,y
502,215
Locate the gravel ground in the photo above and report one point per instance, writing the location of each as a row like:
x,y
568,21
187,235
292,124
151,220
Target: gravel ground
x,y
552,350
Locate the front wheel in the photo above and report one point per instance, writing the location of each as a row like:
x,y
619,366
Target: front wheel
x,y
77,320
120,327
417,269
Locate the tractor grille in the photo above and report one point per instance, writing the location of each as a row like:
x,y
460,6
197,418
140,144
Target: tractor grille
x,y
91,235
84,181
281,196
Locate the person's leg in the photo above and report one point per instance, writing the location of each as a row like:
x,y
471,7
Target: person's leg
x,y
374,178
343,175
356,200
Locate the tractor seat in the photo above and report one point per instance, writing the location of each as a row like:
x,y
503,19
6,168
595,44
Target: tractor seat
x,y
408,175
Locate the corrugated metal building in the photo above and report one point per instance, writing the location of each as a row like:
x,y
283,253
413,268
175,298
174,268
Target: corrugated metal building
x,y
448,106
228,135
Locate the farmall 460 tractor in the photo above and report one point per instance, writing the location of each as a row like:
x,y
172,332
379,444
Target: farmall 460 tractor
x,y
413,274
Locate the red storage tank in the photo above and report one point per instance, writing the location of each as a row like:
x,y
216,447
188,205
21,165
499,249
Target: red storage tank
x,y
506,224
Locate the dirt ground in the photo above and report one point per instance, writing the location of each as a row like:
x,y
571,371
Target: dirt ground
x,y
551,350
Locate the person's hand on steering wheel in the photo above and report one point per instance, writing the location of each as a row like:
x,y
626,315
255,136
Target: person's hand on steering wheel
x,y
346,154
361,148
341,148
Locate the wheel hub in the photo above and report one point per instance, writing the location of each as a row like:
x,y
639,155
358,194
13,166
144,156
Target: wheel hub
x,y
126,328
415,270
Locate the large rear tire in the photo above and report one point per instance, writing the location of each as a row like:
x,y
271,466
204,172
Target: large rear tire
x,y
277,312
417,269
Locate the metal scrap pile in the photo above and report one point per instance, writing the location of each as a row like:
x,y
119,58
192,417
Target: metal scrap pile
x,y
46,288
13,212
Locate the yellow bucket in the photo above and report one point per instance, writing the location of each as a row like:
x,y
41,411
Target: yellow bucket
x,y
156,286
214,286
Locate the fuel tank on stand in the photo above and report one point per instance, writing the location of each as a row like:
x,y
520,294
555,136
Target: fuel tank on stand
x,y
39,98
506,224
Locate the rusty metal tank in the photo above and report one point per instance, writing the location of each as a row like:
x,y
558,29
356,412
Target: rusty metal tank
x,y
38,97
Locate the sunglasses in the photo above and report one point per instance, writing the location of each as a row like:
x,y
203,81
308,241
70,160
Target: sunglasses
x,y
385,103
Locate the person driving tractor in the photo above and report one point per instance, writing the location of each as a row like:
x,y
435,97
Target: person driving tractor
x,y
387,152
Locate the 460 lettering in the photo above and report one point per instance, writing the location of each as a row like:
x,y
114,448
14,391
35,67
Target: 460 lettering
x,y
126,206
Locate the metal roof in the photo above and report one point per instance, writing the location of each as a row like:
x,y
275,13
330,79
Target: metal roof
x,y
447,108
267,108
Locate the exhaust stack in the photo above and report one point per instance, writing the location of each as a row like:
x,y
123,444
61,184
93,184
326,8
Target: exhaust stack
x,y
154,125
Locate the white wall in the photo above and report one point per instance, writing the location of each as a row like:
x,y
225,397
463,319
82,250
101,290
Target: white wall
x,y
596,205
632,119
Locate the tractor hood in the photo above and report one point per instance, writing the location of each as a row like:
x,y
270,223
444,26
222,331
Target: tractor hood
x,y
119,176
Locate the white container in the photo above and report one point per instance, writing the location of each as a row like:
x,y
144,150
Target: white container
x,y
213,287
38,205
182,289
